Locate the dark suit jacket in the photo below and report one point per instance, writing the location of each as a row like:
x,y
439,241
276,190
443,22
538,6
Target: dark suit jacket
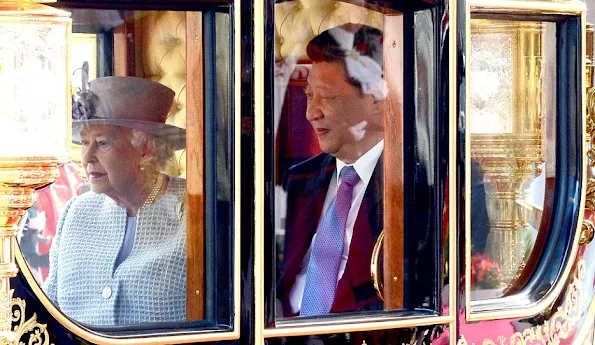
x,y
306,185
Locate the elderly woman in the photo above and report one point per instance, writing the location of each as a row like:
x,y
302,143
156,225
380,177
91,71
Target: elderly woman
x,y
119,255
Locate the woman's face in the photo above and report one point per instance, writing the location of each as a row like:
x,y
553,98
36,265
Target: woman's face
x,y
110,160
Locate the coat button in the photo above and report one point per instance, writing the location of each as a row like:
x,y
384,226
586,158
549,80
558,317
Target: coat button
x,y
107,292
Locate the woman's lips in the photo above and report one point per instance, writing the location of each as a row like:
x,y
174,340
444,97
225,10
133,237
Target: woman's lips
x,y
95,175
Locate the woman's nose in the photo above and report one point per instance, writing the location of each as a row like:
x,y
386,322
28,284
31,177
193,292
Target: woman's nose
x,y
88,154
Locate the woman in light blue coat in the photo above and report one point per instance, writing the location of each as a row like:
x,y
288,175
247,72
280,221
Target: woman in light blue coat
x,y
119,255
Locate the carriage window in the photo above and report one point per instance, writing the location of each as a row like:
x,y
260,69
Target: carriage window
x,y
121,241
512,117
525,157
358,192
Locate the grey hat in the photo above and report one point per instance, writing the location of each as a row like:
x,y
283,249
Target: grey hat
x,y
128,102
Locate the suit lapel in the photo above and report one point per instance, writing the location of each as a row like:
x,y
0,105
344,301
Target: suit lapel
x,y
306,193
373,212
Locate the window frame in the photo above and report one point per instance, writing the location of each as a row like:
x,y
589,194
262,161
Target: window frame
x,y
191,331
357,321
561,246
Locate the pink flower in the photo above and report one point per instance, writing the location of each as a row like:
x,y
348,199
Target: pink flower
x,y
485,273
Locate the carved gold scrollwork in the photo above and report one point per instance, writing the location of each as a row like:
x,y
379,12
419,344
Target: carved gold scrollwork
x,y
22,329
590,195
587,232
588,228
558,327
591,124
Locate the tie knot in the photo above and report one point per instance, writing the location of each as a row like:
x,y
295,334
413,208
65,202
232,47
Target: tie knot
x,y
349,175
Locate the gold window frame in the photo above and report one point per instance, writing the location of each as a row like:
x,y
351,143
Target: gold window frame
x,y
568,9
355,323
191,335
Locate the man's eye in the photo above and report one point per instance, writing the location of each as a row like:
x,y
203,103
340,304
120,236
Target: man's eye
x,y
328,97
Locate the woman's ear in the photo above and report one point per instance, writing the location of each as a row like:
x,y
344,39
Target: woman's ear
x,y
148,154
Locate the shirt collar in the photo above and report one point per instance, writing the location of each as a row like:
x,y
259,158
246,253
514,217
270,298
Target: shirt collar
x,y
365,165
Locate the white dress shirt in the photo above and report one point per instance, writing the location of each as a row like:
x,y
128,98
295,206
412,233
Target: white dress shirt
x,y
364,167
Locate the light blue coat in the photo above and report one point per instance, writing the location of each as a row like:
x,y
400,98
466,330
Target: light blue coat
x,y
149,286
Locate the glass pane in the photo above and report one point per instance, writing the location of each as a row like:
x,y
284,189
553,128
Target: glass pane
x,y
122,237
339,99
512,114
32,65
329,111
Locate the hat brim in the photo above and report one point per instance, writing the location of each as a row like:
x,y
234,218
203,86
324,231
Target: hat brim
x,y
175,135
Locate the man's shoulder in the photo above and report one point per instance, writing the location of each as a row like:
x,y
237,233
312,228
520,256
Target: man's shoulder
x,y
312,165
310,174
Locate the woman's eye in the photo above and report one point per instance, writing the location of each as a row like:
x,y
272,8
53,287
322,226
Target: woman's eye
x,y
103,143
85,142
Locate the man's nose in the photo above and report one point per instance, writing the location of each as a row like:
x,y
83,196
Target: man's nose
x,y
313,110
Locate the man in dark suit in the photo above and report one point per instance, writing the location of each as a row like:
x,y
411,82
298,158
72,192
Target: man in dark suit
x,y
335,209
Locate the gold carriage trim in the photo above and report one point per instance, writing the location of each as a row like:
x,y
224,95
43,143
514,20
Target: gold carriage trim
x,y
22,329
558,327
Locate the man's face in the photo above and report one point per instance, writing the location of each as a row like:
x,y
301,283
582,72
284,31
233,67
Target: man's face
x,y
347,123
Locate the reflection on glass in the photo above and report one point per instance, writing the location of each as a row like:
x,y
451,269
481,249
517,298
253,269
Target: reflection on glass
x,y
332,101
83,52
492,93
338,112
332,222
108,241
32,64
511,113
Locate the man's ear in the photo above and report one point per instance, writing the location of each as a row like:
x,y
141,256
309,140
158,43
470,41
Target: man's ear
x,y
378,101
378,104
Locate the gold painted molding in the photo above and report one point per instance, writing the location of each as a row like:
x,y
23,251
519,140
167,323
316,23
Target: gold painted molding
x,y
558,327
35,332
590,120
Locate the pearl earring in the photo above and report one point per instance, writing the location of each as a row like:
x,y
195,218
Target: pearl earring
x,y
142,168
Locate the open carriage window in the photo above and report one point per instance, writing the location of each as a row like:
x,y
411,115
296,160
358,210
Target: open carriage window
x,y
137,232
359,185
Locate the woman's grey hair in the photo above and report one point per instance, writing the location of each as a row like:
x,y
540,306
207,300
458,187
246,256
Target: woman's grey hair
x,y
164,150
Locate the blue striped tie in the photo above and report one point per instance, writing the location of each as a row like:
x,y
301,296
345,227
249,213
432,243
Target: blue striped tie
x,y
325,259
